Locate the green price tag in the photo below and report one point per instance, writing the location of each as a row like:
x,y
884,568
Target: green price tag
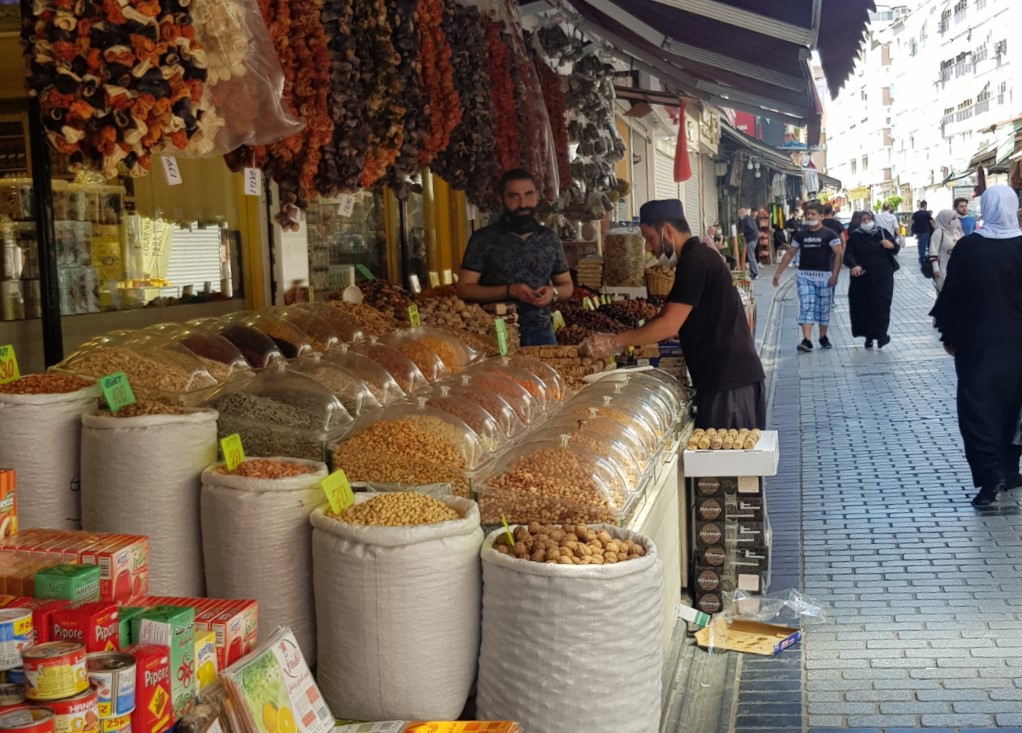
x,y
642,322
606,299
413,316
8,364
501,328
364,272
510,536
338,491
234,454
587,304
559,321
117,391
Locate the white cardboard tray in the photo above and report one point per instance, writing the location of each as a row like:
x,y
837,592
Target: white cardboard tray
x,y
760,461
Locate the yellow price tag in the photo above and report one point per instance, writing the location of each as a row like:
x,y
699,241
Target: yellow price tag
x,y
8,364
234,454
338,491
507,529
413,316
434,279
559,321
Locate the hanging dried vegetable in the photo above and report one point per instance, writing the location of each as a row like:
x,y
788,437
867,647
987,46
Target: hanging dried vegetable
x,y
468,163
342,159
384,120
553,96
443,104
412,97
117,81
508,126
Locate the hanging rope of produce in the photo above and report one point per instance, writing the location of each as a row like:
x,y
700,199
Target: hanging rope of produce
x,y
412,98
553,97
384,120
341,160
468,163
443,103
507,128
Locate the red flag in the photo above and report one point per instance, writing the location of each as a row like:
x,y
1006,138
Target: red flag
x,y
682,169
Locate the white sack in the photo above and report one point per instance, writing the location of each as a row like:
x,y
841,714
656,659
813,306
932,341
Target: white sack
x,y
143,475
398,615
572,648
257,543
39,439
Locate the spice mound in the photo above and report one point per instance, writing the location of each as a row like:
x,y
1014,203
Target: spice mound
x,y
45,384
398,509
265,468
567,545
142,408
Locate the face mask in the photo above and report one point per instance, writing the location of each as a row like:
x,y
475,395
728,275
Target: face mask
x,y
811,222
867,226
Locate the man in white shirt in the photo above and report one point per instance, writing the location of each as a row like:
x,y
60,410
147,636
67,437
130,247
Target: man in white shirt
x,y
889,221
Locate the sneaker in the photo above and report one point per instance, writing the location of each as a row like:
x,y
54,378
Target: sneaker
x,y
869,343
806,346
883,341
825,343
987,495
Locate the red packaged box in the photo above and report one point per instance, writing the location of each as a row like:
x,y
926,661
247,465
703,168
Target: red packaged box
x,y
153,712
93,624
123,559
8,503
235,623
42,613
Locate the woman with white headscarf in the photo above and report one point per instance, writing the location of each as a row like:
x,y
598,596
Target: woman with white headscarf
x,y
979,316
942,243
871,253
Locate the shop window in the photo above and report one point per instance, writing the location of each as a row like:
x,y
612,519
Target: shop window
x,y
345,236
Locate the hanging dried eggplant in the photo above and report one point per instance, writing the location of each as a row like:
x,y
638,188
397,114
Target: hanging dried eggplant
x,y
374,35
412,97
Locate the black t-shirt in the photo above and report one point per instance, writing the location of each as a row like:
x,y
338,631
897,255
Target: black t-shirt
x,y
833,224
815,247
921,222
749,230
715,337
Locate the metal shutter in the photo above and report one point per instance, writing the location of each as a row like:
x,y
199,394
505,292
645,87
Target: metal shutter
x,y
709,178
693,205
195,257
663,173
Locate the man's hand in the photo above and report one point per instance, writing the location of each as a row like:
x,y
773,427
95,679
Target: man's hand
x,y
544,295
832,280
523,293
857,271
950,349
887,244
600,345
777,279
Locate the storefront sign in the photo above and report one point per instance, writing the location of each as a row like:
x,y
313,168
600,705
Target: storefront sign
x,y
413,316
234,454
8,364
116,391
171,171
338,491
501,330
253,181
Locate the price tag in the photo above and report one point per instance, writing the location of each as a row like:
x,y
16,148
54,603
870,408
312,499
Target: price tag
x,y
345,205
117,391
642,322
559,321
434,279
501,329
364,272
587,303
8,364
338,491
253,181
171,171
470,212
447,277
509,536
413,284
234,454
413,316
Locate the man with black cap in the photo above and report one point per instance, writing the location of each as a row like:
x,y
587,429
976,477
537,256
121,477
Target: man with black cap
x,y
518,259
704,311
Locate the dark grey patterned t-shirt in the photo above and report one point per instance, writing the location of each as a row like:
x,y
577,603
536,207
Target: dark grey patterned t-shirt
x,y
503,258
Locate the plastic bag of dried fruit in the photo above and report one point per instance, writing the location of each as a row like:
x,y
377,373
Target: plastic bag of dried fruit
x,y
150,444
41,427
402,662
257,542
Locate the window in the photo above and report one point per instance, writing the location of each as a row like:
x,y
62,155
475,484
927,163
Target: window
x,y
982,101
960,7
865,163
886,96
980,53
885,55
913,47
945,22
964,111
949,113
853,167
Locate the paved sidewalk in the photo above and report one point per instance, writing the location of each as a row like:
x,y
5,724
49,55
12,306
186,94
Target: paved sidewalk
x,y
924,591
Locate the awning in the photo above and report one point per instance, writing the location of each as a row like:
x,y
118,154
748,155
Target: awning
x,y
751,55
997,154
768,155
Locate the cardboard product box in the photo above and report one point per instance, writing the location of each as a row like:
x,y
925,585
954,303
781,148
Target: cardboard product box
x,y
713,557
18,571
748,556
749,578
174,627
709,509
234,621
42,613
751,637
205,659
94,624
77,583
127,615
710,602
154,712
8,503
709,534
708,579
759,461
706,487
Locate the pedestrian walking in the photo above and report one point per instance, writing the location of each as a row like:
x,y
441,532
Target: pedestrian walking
x,y
979,316
751,234
922,227
967,220
886,219
942,243
871,254
819,252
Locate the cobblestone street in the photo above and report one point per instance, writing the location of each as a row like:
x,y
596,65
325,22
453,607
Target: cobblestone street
x,y
924,591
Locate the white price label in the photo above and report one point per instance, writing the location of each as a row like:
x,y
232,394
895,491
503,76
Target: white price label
x,y
253,181
748,484
345,205
171,171
413,284
470,212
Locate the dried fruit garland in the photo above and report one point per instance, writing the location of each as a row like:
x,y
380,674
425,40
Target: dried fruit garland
x,y
443,103
468,162
342,159
116,81
384,119
553,96
507,123
411,98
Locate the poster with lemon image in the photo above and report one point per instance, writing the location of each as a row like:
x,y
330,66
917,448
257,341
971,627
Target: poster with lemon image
x,y
276,689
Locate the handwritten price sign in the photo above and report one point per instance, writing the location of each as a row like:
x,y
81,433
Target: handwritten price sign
x,y
8,365
234,454
117,391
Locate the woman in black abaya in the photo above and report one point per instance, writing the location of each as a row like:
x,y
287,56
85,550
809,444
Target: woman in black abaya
x,y
979,316
870,253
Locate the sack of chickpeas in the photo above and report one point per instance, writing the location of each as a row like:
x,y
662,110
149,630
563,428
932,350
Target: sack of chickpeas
x,y
257,542
398,590
580,608
142,474
40,436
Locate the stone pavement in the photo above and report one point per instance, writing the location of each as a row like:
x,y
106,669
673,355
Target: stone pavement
x,y
871,517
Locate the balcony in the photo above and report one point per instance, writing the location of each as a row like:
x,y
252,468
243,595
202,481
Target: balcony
x,y
963,114
963,67
980,4
960,16
943,26
947,119
945,74
981,107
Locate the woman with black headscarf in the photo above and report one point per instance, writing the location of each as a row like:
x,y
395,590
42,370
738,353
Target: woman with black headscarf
x,y
870,253
979,316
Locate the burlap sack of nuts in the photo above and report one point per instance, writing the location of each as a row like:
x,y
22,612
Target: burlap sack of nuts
x,y
122,455
397,612
257,542
598,649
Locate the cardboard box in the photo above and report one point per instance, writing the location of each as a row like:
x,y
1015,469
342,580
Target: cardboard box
x,y
8,503
709,509
713,557
709,534
205,659
759,461
234,621
77,583
751,637
174,627
127,615
710,602
709,579
93,624
154,712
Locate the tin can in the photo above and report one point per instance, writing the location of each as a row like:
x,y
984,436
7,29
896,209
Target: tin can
x,y
11,695
78,714
113,676
16,676
27,720
15,635
12,301
13,263
120,724
55,670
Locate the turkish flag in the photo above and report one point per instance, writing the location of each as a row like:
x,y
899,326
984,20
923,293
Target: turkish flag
x,y
682,169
